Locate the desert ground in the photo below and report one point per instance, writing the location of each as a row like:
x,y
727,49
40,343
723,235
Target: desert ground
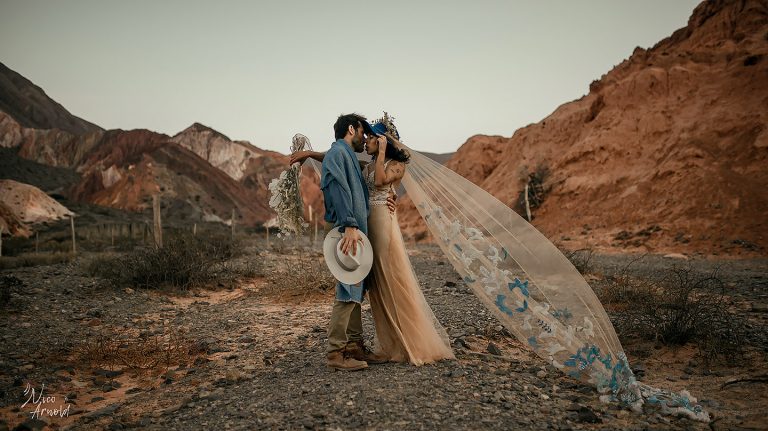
x,y
247,352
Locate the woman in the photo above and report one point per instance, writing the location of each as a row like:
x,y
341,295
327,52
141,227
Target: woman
x,y
406,328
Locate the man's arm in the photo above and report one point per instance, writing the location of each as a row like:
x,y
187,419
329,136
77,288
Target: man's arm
x,y
301,156
342,204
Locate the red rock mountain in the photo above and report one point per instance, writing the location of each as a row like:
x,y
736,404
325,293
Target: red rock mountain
x,y
200,173
31,107
667,152
251,166
123,169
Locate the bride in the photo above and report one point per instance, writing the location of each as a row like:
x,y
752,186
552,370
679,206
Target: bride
x,y
406,328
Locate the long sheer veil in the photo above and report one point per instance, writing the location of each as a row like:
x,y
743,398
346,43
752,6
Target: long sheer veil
x,y
527,283
535,291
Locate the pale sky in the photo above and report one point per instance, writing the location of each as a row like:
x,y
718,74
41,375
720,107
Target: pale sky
x,y
263,71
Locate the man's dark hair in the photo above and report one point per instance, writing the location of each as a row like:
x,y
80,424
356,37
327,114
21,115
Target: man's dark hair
x,y
344,121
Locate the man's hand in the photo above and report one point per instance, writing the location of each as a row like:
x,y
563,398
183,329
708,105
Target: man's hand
x,y
299,157
350,239
391,204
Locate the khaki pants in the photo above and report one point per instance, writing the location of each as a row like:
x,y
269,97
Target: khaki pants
x,y
346,321
346,325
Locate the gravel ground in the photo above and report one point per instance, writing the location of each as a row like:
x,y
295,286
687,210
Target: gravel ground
x,y
261,361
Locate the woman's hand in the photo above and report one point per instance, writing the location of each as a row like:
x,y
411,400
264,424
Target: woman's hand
x,y
391,204
382,140
300,157
394,140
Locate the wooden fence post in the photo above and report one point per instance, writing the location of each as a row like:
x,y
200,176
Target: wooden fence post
x,y
72,225
194,229
309,232
158,225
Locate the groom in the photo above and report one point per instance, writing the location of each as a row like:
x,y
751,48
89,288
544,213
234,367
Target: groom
x,y
346,208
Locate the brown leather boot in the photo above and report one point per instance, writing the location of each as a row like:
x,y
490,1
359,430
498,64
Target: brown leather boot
x,y
339,361
357,350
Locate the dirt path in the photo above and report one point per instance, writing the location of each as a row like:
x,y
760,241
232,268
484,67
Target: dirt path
x,y
259,364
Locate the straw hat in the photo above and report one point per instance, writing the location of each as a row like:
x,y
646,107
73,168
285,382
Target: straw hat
x,y
347,268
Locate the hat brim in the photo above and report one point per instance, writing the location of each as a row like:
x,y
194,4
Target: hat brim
x,y
368,129
378,129
329,253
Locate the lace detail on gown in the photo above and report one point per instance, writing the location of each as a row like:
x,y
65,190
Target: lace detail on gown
x,y
377,195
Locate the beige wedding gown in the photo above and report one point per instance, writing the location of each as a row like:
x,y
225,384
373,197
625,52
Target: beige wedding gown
x,y
406,328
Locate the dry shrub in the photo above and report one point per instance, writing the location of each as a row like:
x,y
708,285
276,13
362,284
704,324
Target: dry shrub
x,y
35,259
184,261
299,277
622,288
231,271
123,349
581,259
677,307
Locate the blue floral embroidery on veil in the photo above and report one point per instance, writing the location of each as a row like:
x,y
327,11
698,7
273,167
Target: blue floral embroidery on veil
x,y
503,307
520,285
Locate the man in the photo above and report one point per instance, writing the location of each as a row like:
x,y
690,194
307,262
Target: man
x,y
346,208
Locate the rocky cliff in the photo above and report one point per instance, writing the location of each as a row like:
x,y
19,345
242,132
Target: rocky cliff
x,y
123,169
667,151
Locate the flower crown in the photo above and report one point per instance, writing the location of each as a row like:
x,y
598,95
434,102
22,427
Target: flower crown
x,y
388,123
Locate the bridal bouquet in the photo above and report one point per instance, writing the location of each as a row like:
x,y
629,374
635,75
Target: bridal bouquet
x,y
286,195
